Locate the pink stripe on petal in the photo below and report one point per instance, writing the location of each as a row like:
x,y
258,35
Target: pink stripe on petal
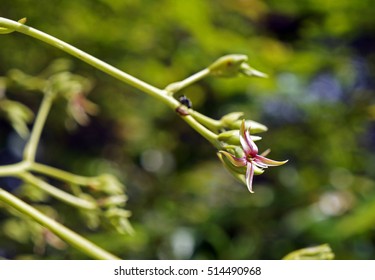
x,y
249,176
239,162
260,164
247,143
265,153
269,162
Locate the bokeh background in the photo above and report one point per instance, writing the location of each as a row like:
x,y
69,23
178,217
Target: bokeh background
x,y
318,105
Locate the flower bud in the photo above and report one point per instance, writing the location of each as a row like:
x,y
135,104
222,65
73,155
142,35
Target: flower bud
x,y
19,78
230,137
119,219
227,66
22,20
108,183
254,126
18,114
68,84
230,118
233,137
249,71
91,217
232,65
234,120
114,200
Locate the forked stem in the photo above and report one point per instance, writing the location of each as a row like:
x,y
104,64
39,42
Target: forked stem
x,y
74,239
162,95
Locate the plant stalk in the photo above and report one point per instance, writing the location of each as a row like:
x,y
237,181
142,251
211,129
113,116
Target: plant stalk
x,y
162,95
32,145
74,239
57,193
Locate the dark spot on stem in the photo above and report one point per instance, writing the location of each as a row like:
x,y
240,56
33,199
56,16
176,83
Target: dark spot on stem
x,y
182,110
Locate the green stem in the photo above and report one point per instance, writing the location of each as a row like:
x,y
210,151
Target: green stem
x,y
74,239
17,168
213,125
12,169
208,134
162,95
177,86
32,145
93,61
30,151
20,170
57,193
60,174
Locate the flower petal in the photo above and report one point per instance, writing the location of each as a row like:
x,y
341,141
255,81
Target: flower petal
x,y
249,176
262,161
265,153
238,162
247,143
260,164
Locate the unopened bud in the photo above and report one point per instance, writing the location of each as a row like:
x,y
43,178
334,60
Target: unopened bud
x,y
230,118
108,183
249,71
234,121
233,137
22,20
227,66
18,114
230,137
232,65
119,219
254,126
114,200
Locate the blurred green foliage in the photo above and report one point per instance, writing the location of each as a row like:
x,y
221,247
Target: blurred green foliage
x,y
317,104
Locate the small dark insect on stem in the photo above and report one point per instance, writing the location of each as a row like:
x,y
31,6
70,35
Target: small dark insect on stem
x,y
185,104
185,101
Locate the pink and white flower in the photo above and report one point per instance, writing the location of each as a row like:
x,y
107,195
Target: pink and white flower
x,y
250,159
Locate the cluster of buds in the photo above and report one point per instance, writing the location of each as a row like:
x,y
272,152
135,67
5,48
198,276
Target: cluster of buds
x,y
237,148
58,81
104,199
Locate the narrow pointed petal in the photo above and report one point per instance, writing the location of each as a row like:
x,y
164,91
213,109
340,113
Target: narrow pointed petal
x,y
261,161
260,164
232,169
249,177
239,162
265,153
247,143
